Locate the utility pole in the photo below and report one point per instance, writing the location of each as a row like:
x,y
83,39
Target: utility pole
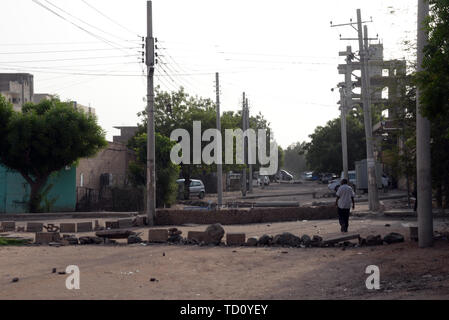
x,y
219,165
151,163
244,146
250,166
423,161
373,198
345,105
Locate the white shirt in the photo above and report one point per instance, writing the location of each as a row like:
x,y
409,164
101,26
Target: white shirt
x,y
345,193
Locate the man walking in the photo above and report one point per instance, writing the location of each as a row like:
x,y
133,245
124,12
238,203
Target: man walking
x,y
345,195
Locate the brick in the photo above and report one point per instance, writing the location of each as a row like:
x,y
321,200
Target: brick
x,y
111,224
235,239
67,227
8,226
46,237
197,236
84,227
125,223
34,227
157,235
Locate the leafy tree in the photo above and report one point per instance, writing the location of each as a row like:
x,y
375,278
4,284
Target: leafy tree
x,y
166,171
433,82
294,159
178,110
323,153
44,138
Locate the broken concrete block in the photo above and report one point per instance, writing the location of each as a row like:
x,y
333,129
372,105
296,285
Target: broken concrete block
x,y
157,235
125,223
67,227
46,237
90,240
8,226
265,240
111,224
196,236
287,239
84,227
214,234
139,221
235,239
340,238
35,227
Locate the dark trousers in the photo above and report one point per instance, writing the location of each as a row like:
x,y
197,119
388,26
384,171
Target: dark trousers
x,y
343,217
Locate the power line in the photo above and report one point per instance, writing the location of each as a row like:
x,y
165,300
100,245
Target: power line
x,y
82,21
64,51
110,19
70,59
110,43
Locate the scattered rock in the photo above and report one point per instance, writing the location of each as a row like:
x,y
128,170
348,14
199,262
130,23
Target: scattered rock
x,y
305,240
53,270
265,240
61,272
90,240
374,240
214,233
134,239
252,242
316,241
387,225
154,280
393,238
15,279
287,239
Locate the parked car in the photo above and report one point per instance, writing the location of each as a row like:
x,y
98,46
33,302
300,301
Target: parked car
x,y
334,185
327,177
196,187
284,175
263,179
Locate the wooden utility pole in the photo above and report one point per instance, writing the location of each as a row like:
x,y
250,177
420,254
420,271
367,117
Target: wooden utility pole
x,y
219,165
423,160
151,161
373,198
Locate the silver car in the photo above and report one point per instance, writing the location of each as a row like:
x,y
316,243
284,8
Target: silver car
x,y
196,187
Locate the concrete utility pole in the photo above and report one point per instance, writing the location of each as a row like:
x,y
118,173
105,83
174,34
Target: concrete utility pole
x,y
423,163
250,166
219,165
244,146
151,163
373,197
345,105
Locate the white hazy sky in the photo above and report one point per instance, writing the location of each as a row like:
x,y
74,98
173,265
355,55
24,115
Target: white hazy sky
x,y
283,54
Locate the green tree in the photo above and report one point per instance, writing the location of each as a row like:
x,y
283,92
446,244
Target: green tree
x,y
44,138
294,159
323,152
166,171
433,83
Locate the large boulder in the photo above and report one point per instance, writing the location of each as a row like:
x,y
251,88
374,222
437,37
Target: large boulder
x,y
252,242
214,233
305,239
393,238
265,240
287,239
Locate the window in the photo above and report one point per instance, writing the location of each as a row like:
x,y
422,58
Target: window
x,y
385,93
385,73
82,180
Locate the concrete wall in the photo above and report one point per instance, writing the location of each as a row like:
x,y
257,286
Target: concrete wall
x,y
15,191
244,216
113,159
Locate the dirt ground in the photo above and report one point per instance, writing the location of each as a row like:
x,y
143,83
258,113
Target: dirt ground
x,y
195,272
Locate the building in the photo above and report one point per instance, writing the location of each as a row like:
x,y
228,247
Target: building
x,y
18,88
126,133
15,191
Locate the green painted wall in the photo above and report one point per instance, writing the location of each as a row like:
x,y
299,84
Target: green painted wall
x,y
15,191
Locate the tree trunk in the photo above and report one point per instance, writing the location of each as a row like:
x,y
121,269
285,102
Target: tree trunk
x,y
34,203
